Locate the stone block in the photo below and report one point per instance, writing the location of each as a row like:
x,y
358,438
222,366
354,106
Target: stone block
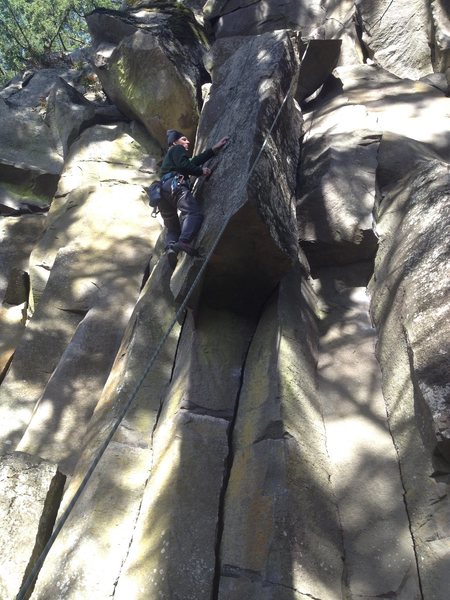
x,y
30,494
280,526
86,277
396,35
336,187
150,65
248,204
173,553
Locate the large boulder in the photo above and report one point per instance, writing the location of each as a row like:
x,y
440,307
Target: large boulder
x,y
249,199
397,35
98,241
69,113
412,109
150,63
337,184
28,156
30,494
323,21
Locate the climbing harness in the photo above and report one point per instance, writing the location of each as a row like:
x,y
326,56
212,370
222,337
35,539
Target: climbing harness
x,y
62,520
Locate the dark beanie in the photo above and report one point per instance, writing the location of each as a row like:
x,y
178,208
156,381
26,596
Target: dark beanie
x,y
172,136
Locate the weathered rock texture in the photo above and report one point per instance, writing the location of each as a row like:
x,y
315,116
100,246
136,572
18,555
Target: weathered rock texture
x,y
261,453
408,305
410,108
97,243
379,556
253,211
69,114
413,283
245,17
150,65
18,236
336,187
109,499
30,493
397,35
190,448
280,519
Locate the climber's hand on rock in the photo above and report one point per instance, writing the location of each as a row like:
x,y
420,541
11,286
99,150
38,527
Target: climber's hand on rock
x,y
220,144
206,171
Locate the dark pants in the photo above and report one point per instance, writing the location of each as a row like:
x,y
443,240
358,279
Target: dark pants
x,y
186,226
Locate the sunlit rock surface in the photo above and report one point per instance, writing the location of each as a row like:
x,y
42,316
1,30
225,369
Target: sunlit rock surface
x,y
150,65
110,500
396,35
30,493
190,449
257,448
99,238
69,114
280,518
337,184
414,283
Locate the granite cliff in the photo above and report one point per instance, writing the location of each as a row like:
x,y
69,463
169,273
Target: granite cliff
x,y
290,438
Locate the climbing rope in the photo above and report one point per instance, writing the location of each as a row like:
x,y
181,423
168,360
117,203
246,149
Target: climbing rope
x,y
62,520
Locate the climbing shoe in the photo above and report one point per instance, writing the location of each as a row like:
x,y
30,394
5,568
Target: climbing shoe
x,y
172,256
185,247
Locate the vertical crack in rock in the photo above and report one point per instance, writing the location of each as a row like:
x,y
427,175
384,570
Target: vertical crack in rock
x,y
150,469
345,583
228,464
408,516
46,524
360,29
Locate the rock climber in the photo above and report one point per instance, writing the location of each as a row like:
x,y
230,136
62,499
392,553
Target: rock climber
x,y
176,196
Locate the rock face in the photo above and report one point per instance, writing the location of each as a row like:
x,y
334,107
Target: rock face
x,y
414,284
190,440
244,17
412,109
18,237
150,65
337,184
88,286
396,35
380,556
108,499
279,515
253,214
69,114
247,444
31,491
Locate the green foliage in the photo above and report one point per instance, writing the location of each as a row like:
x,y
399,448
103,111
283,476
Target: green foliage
x,y
34,33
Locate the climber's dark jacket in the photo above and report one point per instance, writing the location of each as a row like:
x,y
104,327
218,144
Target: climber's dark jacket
x,y
177,161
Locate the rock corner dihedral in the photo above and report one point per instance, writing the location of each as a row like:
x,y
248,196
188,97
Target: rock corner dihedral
x,y
270,418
